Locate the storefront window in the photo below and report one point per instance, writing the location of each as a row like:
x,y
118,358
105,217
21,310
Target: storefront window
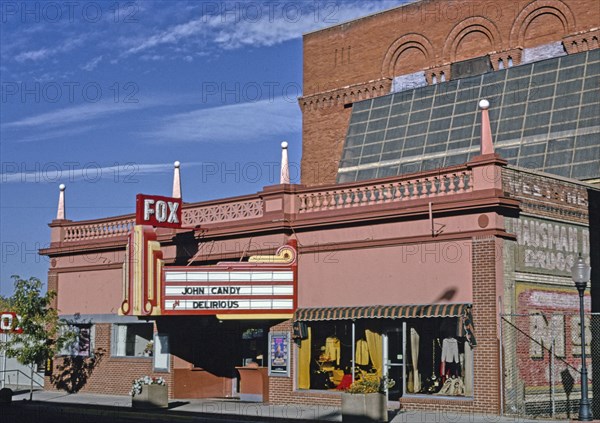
x,y
419,356
133,340
330,355
439,359
325,359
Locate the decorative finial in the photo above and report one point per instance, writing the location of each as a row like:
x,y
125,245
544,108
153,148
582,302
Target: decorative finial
x,y
176,181
60,213
487,146
285,167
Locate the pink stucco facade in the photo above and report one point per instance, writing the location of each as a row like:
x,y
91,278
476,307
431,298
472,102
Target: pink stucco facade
x,y
91,292
408,274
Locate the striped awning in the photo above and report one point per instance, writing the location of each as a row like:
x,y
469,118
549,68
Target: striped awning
x,y
380,312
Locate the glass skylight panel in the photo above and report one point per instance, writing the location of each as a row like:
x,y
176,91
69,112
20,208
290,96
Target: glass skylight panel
x,y
544,115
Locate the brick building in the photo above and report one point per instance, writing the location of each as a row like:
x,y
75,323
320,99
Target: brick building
x,y
391,267
395,263
433,44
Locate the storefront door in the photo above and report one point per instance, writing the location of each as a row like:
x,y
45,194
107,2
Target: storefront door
x,y
394,361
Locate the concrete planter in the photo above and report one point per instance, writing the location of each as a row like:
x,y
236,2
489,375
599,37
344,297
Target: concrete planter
x,y
152,396
363,408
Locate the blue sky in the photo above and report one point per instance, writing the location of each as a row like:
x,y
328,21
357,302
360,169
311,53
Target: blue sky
x,y
105,96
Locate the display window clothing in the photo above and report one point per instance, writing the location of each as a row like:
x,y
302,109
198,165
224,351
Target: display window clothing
x,y
332,349
450,350
434,353
439,358
362,352
333,354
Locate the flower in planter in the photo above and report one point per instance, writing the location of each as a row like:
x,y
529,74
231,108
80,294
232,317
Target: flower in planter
x,y
136,386
370,383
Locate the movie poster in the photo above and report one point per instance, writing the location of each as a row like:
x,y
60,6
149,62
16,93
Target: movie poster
x,y
279,354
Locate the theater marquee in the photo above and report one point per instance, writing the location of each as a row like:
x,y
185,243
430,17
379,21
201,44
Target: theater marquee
x,y
264,285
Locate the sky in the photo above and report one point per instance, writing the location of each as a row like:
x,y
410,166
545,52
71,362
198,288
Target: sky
x,y
104,96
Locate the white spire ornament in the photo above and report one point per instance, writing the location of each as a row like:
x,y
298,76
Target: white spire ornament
x,y
176,181
487,145
285,167
60,213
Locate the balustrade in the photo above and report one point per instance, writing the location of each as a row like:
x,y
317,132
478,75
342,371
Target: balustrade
x,y
387,192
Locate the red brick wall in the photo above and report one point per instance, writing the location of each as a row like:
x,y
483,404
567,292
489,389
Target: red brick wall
x,y
53,286
437,32
486,386
107,375
323,137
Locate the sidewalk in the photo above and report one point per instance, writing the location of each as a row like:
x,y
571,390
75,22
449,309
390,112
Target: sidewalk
x,y
214,410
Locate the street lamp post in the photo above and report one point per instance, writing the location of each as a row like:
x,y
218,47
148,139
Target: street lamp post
x,y
581,275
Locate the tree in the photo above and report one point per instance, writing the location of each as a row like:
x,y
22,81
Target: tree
x,y
43,334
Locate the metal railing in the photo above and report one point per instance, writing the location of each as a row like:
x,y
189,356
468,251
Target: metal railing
x,y
16,381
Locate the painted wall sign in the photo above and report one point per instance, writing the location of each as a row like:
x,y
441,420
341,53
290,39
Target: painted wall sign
x,y
157,211
550,319
549,247
535,187
279,354
9,322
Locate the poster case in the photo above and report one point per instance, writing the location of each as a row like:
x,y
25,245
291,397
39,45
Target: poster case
x,y
279,354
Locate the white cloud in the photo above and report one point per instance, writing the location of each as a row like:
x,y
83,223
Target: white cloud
x,y
231,123
256,24
92,64
169,36
75,114
73,171
65,134
44,53
33,55
152,57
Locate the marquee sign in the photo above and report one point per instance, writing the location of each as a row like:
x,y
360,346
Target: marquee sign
x,y
9,322
259,286
263,285
157,211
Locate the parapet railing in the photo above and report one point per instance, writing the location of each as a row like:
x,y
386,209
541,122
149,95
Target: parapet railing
x,y
369,193
297,199
98,230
